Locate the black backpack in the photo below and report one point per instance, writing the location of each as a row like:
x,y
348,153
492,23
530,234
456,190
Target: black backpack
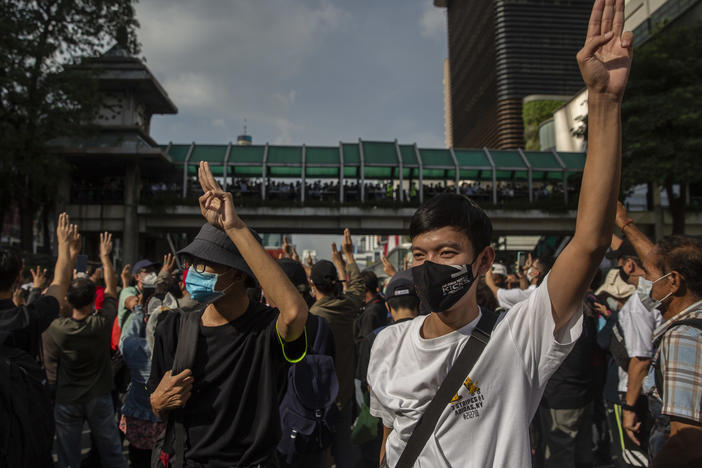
x,y
169,449
617,347
26,413
308,411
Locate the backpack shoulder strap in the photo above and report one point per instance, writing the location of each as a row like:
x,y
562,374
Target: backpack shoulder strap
x,y
184,359
470,354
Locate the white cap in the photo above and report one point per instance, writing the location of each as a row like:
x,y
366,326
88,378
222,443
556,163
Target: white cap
x,y
499,269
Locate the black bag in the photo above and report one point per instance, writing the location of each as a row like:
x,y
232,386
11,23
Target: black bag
x,y
170,446
26,414
617,347
308,411
461,368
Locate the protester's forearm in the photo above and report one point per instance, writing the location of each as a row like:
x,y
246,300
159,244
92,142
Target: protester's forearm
x,y
638,368
489,280
573,271
293,309
642,244
523,282
601,177
108,272
63,273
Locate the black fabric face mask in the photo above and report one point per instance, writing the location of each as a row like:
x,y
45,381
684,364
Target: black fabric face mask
x,y
441,286
624,276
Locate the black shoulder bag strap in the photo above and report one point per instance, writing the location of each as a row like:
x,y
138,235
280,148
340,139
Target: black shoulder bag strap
x,y
453,381
184,359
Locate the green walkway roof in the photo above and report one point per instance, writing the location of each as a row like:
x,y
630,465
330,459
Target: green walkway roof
x,y
376,160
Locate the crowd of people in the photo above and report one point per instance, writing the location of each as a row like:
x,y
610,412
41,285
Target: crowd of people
x,y
224,356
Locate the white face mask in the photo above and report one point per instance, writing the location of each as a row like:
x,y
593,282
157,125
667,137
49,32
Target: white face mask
x,y
531,274
149,279
644,289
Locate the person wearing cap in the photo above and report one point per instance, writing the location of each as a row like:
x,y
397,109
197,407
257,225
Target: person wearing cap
x,y
535,274
340,309
229,398
499,274
143,272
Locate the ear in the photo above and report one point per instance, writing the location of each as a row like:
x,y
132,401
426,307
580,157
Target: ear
x,y
485,260
677,283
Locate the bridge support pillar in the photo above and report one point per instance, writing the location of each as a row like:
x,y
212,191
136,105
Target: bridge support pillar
x,y
130,236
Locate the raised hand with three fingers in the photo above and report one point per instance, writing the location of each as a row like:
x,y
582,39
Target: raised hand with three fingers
x,y
605,59
216,205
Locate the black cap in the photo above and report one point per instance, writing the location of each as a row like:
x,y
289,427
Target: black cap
x,y
141,264
323,273
294,271
402,284
214,246
624,250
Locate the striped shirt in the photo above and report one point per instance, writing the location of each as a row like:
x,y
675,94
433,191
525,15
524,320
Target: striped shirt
x,y
680,353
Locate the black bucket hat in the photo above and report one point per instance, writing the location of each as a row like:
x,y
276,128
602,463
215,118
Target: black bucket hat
x,y
214,246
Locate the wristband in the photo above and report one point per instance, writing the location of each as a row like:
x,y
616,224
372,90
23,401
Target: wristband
x,y
628,407
626,224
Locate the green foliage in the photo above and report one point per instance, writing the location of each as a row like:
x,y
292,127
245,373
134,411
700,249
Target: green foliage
x,y
662,110
42,95
534,113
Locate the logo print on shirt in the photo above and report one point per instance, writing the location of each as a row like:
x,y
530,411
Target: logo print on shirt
x,y
468,408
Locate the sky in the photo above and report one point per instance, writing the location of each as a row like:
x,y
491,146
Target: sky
x,y
299,71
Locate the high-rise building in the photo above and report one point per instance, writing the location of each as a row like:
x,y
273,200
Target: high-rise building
x,y
501,51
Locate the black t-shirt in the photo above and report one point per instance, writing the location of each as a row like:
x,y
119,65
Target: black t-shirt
x,y
571,385
22,327
239,377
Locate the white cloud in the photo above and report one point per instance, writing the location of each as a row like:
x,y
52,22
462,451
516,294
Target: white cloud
x,y
432,23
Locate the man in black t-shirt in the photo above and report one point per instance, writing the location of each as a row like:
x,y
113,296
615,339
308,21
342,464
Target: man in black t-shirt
x,y
20,331
230,397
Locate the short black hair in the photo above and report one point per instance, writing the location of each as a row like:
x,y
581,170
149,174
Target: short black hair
x,y
10,266
370,280
456,211
404,302
81,292
684,255
546,263
326,287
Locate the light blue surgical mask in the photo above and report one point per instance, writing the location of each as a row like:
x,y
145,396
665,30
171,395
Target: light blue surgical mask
x,y
643,290
201,286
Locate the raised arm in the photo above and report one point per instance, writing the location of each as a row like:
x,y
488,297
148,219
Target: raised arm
x,y
604,62
108,269
217,207
490,282
63,271
340,265
355,285
642,245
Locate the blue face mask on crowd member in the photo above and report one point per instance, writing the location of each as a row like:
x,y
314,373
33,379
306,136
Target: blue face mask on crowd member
x,y
643,290
201,286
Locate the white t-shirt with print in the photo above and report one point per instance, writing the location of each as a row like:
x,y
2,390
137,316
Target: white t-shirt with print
x,y
638,324
508,298
487,424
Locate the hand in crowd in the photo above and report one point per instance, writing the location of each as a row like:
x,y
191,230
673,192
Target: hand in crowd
x,y
172,392
216,205
602,309
76,243
126,275
105,245
347,245
631,425
287,251
605,59
622,216
387,267
64,229
169,263
38,277
295,255
336,255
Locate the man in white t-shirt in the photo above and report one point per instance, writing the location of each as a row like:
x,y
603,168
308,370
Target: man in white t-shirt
x,y
486,423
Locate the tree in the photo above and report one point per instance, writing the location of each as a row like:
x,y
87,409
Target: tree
x,y
662,113
42,95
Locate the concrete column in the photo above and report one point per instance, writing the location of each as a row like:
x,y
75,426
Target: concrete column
x,y
657,212
130,235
